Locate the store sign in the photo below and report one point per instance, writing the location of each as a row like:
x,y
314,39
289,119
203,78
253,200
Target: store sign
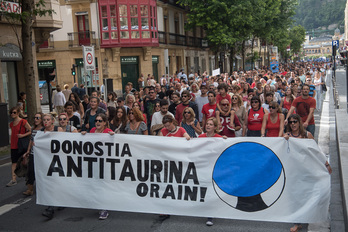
x,y
155,59
10,7
129,60
10,52
46,64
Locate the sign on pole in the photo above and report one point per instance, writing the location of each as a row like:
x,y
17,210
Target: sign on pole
x,y
88,58
335,43
166,63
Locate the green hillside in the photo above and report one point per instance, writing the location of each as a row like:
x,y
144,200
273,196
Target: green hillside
x,y
314,14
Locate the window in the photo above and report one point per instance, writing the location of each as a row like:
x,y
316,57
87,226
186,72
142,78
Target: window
x,y
129,23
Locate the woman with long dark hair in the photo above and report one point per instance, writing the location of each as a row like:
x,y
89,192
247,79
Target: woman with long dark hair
x,y
119,122
253,121
79,107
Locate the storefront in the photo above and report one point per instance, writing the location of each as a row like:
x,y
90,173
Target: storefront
x,y
9,56
130,70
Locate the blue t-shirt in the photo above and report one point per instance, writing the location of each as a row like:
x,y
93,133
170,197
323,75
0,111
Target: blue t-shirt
x,y
311,90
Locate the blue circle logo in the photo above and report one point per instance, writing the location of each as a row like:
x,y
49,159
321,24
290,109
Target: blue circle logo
x,y
249,176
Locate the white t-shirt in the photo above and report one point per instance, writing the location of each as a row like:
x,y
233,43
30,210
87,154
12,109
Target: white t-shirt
x,y
201,101
158,116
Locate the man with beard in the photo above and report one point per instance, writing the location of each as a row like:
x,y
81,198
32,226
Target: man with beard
x,y
305,106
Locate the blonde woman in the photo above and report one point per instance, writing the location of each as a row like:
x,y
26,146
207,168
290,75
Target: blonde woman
x,y
190,123
130,99
240,111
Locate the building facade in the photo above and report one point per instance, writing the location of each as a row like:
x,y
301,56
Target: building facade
x,y
130,38
12,79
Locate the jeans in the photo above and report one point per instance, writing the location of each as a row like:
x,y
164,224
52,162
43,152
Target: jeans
x,y
311,128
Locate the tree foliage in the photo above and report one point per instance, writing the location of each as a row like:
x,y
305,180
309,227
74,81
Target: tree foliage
x,y
297,36
313,14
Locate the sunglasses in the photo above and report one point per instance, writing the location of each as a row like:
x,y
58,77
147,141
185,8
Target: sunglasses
x,y
131,113
187,112
254,101
184,96
234,98
225,104
13,112
293,122
37,118
98,120
158,106
273,107
62,119
151,92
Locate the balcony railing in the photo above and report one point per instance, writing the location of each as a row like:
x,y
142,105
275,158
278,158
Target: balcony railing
x,y
177,39
77,39
181,40
162,37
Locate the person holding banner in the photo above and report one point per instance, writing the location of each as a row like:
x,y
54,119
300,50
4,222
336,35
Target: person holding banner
x,y
38,125
101,126
171,128
295,129
48,122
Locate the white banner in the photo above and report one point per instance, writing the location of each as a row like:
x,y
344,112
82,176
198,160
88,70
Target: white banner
x,y
88,58
216,72
268,179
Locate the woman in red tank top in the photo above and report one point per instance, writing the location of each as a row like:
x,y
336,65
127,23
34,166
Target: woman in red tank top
x,y
273,122
253,122
287,99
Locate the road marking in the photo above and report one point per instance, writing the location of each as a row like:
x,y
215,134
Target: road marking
x,y
8,207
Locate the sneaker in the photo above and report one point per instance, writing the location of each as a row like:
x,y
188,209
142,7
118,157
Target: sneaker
x,y
49,212
11,183
103,215
209,222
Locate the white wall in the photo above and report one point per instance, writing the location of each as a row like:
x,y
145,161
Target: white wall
x,y
94,19
62,34
160,19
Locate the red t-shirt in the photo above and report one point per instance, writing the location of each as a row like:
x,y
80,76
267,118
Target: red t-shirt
x,y
303,106
255,119
219,98
205,135
225,121
106,130
208,110
179,133
15,130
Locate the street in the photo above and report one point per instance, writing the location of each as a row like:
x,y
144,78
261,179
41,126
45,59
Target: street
x,y
19,213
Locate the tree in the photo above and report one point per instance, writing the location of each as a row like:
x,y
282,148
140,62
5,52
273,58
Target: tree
x,y
30,10
297,36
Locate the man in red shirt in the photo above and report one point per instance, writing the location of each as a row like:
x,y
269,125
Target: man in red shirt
x,y
304,106
208,110
186,102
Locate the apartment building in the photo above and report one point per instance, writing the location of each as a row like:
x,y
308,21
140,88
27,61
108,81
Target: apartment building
x,y
130,38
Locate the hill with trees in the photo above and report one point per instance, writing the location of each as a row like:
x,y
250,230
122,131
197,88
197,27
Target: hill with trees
x,y
315,14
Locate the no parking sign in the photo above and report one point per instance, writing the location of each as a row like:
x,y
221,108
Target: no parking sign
x,y
88,58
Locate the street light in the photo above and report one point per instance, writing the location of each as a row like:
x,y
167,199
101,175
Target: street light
x,y
343,60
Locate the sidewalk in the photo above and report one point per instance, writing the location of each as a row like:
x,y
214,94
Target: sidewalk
x,y
342,139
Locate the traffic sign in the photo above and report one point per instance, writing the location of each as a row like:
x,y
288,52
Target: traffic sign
x,y
88,58
336,43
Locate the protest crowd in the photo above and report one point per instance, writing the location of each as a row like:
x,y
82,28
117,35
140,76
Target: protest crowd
x,y
255,103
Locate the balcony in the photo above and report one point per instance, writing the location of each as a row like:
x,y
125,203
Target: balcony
x,y
48,44
86,38
176,39
181,40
